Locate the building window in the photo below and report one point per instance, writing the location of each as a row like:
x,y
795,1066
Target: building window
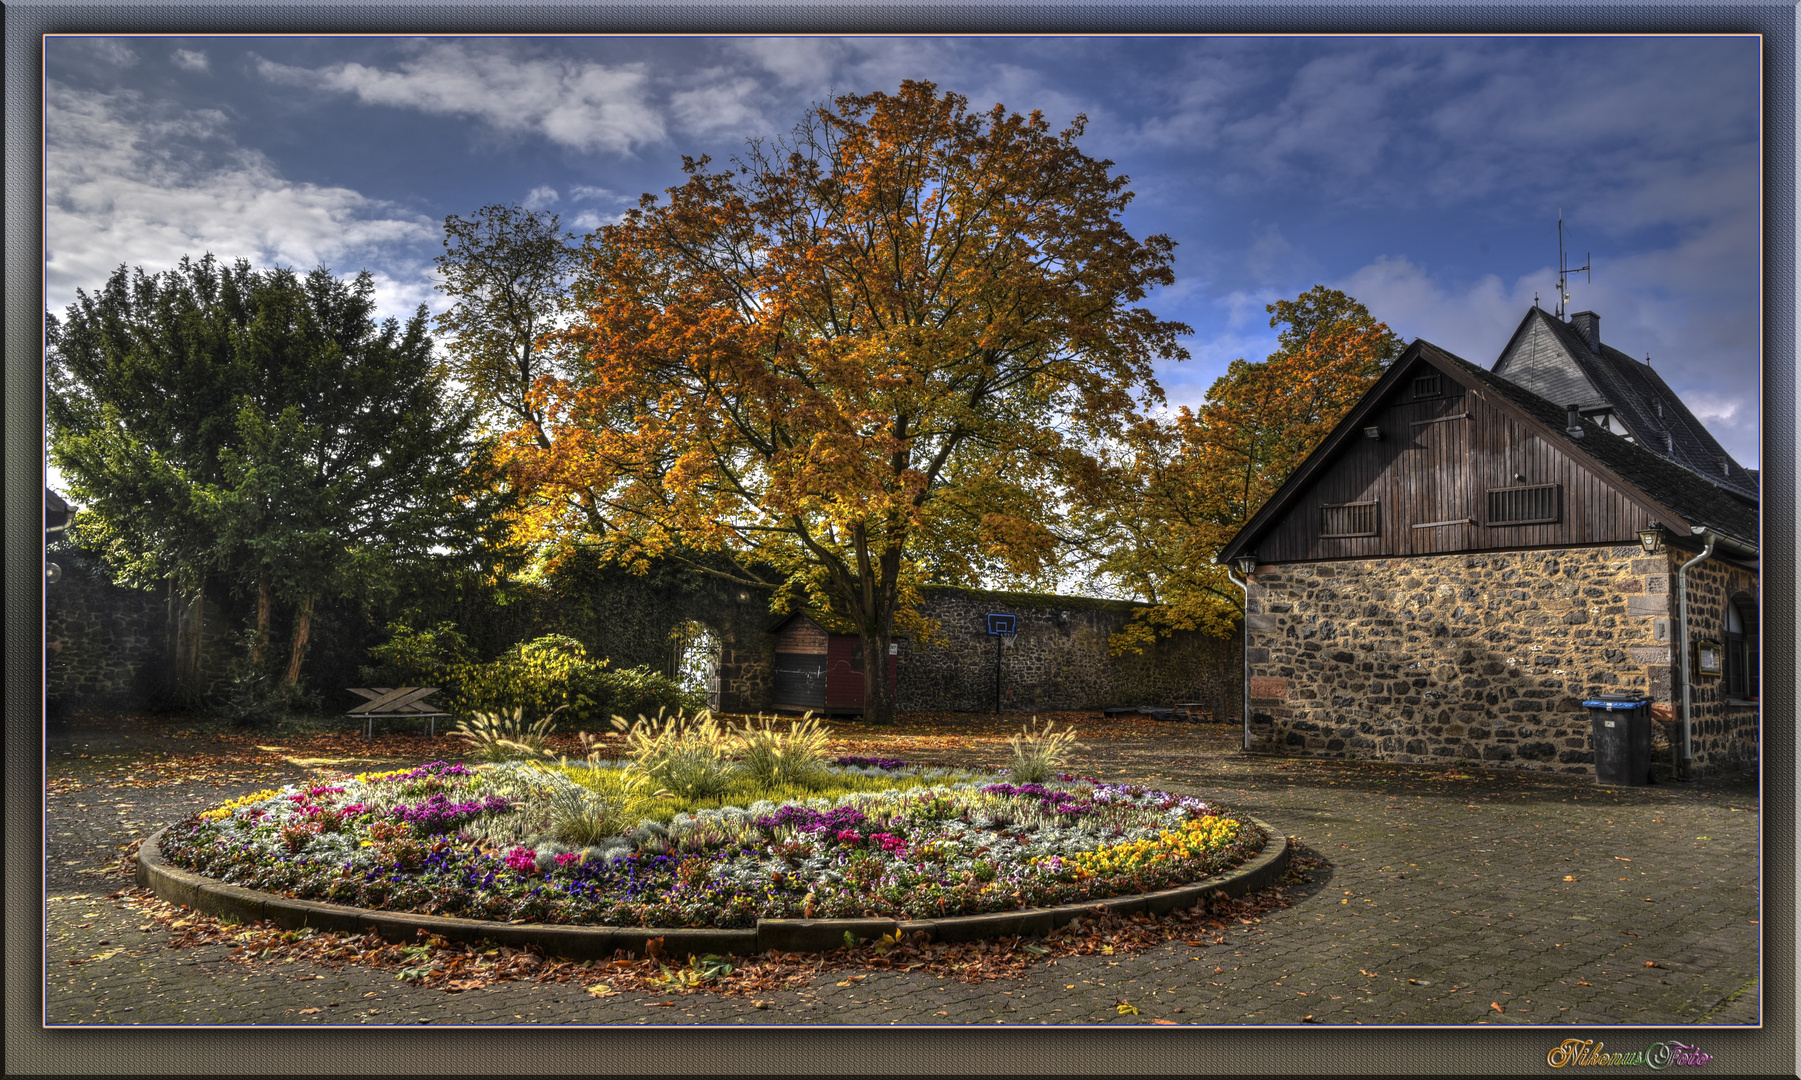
x,y
1530,505
1426,386
1348,519
1741,650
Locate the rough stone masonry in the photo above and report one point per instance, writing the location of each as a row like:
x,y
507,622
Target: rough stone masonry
x,y
1482,657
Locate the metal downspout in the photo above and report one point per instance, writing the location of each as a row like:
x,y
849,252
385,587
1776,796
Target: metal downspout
x,y
1246,586
1688,742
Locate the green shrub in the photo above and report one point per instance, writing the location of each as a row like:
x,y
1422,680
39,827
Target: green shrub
x,y
414,657
537,677
643,691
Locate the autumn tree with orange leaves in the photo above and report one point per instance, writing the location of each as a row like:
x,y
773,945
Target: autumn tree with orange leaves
x,y
1178,489
862,359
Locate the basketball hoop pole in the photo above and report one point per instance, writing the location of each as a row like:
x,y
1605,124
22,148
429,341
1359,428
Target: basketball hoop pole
x,y
998,640
1001,627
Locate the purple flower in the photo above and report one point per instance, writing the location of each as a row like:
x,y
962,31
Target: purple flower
x,y
803,819
885,764
1056,801
438,814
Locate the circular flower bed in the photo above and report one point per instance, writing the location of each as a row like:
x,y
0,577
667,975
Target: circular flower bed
x,y
495,842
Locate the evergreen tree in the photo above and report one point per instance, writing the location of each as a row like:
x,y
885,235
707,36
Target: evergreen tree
x,y
259,426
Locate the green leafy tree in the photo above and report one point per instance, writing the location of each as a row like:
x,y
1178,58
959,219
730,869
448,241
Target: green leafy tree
x,y
261,426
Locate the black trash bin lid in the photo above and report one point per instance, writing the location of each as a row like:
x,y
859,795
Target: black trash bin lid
x,y
1614,702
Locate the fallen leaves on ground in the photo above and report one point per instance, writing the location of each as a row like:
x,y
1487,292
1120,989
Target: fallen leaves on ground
x,y
458,967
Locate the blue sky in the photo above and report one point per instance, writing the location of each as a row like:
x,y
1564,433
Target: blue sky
x,y
1422,175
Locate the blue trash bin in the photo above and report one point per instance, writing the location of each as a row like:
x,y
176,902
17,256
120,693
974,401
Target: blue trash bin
x,y
1621,738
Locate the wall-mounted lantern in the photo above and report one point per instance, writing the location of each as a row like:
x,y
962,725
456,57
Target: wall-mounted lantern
x,y
56,518
1372,433
1247,565
1651,538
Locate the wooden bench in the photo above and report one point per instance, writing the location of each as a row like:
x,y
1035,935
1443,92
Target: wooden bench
x,y
402,701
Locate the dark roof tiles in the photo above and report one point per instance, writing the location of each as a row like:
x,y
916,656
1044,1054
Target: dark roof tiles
x,y
1551,358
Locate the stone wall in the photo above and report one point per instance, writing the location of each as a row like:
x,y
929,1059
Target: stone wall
x,y
1059,660
105,645
1726,732
1481,658
99,639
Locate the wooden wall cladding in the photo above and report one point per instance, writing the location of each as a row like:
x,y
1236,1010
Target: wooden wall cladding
x,y
1430,475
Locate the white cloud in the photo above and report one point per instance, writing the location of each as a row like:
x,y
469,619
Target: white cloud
x,y
111,50
724,104
583,105
540,197
1473,322
189,60
591,220
129,181
794,61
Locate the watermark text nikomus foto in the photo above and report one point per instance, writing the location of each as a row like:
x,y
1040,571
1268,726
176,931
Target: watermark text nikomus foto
x,y
1659,1055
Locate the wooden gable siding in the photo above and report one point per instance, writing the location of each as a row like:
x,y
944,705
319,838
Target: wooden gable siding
x,y
1435,463
800,635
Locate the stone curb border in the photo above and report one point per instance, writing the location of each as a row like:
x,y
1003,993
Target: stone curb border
x,y
180,886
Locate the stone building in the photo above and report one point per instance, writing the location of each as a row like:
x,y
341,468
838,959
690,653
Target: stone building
x,y
1462,562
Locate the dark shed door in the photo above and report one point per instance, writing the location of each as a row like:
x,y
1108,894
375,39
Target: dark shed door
x,y
800,680
1442,503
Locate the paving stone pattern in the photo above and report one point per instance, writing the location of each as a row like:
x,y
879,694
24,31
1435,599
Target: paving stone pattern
x,y
1444,898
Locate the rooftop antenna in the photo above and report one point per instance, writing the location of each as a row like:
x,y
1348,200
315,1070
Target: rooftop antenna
x,y
1563,268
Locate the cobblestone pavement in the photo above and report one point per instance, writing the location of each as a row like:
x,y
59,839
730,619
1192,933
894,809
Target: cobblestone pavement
x,y
1451,898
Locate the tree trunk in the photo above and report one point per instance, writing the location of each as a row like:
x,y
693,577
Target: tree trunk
x,y
303,624
188,636
878,696
259,649
879,598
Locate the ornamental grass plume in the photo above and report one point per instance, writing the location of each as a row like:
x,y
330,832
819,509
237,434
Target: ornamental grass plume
x,y
773,758
498,736
688,755
1038,754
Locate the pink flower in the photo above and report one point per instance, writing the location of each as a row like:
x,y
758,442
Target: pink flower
x,y
850,836
522,860
568,857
